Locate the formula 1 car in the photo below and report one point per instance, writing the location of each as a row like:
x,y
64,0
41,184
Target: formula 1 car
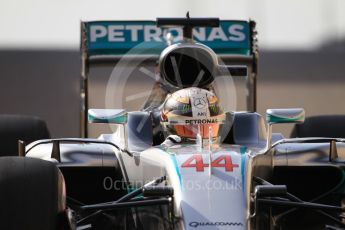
x,y
184,160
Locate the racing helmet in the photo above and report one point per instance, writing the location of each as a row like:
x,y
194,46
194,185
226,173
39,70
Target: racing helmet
x,y
190,112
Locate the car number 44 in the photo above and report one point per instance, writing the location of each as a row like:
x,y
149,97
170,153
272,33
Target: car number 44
x,y
196,161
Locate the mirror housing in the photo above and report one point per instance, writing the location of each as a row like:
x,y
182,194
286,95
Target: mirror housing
x,y
276,116
282,116
107,116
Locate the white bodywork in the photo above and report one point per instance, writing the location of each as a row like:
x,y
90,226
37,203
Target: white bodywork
x,y
202,201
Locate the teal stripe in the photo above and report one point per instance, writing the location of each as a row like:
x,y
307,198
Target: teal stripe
x,y
243,150
173,158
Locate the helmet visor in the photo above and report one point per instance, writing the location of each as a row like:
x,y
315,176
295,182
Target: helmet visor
x,y
190,128
191,131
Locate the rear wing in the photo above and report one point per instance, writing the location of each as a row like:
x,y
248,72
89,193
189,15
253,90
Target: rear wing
x,y
103,41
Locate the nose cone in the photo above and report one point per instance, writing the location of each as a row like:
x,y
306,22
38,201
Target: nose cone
x,y
216,201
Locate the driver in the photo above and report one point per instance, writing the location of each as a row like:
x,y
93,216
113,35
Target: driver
x,y
191,114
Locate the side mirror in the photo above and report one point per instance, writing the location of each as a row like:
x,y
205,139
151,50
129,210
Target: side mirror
x,y
107,116
276,116
282,116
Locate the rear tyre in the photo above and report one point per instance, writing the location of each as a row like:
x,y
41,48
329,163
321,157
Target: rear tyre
x,y
20,127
